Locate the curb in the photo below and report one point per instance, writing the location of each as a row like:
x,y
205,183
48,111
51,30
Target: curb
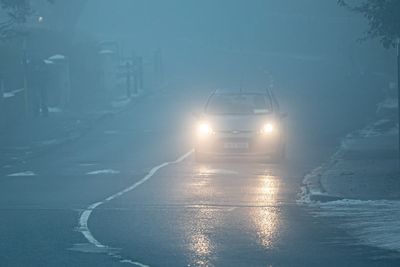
x,y
75,134
312,186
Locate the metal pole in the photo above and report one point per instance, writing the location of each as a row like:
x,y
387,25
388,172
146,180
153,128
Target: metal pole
x,y
25,65
128,79
135,75
140,73
2,109
398,91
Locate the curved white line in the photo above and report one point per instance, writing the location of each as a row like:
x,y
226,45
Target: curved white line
x,y
85,215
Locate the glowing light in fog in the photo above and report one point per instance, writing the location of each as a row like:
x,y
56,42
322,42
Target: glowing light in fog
x,y
268,128
204,129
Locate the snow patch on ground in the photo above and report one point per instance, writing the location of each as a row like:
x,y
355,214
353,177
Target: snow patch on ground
x,y
312,188
50,142
20,174
101,172
373,223
388,103
12,93
55,110
87,164
56,57
120,103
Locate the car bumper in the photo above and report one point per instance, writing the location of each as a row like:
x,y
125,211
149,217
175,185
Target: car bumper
x,y
254,145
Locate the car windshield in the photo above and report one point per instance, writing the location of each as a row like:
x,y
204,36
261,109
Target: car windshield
x,y
221,104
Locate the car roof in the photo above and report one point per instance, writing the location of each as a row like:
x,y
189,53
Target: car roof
x,y
265,92
242,91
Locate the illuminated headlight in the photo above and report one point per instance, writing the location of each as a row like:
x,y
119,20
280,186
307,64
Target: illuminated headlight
x,y
268,128
204,129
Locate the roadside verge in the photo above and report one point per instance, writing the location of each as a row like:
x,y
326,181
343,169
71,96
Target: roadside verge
x,y
358,189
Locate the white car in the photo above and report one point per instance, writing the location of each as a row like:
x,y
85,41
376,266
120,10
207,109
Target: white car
x,y
240,124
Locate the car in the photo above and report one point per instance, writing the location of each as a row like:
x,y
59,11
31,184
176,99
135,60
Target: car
x,y
240,124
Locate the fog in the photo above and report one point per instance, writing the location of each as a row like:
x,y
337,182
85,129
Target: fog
x,y
98,53
307,50
116,148
230,39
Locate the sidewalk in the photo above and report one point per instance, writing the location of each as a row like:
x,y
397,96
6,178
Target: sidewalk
x,y
365,167
38,135
358,189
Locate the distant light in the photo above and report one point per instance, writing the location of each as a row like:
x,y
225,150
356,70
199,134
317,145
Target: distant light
x,y
40,19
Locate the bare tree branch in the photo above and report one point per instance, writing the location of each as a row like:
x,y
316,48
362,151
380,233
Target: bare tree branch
x,y
18,12
383,18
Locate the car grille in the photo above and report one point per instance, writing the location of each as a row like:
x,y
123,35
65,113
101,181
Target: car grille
x,y
235,131
239,141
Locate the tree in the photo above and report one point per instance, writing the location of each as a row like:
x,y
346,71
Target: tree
x,y
384,24
383,19
17,12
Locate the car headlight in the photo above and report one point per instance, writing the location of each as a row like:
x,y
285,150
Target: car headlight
x,y
268,128
204,129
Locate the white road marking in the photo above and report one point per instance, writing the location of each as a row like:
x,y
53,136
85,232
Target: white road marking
x,y
85,215
19,174
107,171
134,263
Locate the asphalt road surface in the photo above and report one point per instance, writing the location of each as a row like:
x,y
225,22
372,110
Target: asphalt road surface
x,y
183,213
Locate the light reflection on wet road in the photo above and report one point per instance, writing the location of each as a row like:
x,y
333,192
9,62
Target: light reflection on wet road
x,y
222,214
211,214
266,219
243,196
210,208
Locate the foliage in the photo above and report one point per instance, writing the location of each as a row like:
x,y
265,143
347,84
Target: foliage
x,y
17,12
383,19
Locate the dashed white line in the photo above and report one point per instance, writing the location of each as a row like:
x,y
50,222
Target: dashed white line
x,y
20,174
85,215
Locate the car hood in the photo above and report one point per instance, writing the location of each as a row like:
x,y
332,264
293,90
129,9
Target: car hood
x,y
238,122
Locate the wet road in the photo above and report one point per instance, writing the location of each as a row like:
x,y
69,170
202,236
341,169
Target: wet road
x,y
226,213
223,214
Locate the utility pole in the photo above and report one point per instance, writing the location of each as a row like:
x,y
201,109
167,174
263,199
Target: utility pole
x,y
2,109
398,91
128,79
140,72
135,75
25,67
